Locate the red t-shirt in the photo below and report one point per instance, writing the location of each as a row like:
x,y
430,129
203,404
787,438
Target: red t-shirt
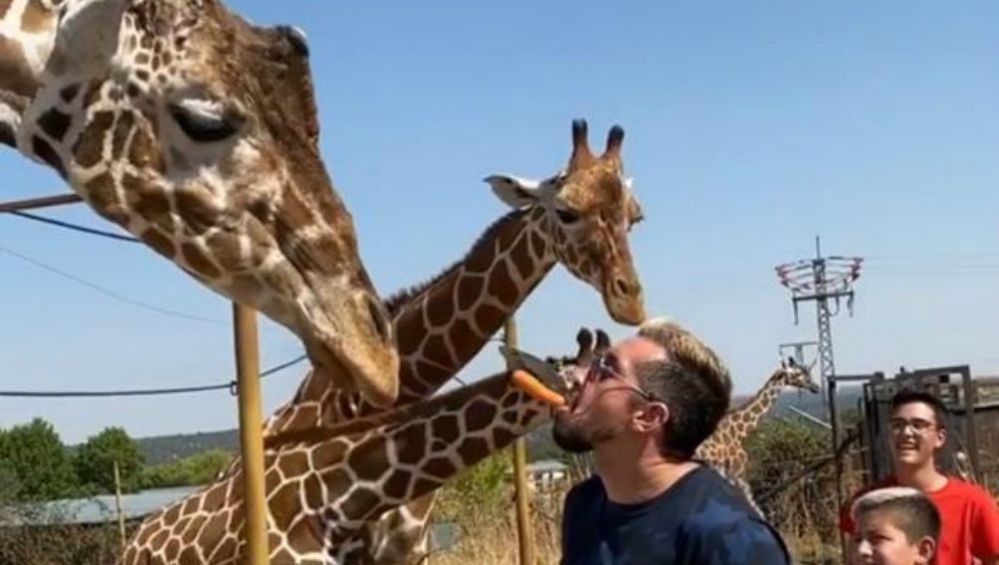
x,y
969,521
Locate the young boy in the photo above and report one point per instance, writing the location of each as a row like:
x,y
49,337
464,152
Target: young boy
x,y
895,526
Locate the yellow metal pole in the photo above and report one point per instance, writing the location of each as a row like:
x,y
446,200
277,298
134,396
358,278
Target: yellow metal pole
x,y
117,504
251,442
525,535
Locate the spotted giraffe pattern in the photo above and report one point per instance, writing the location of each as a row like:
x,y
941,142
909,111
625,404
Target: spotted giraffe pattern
x,y
724,450
197,133
324,485
446,322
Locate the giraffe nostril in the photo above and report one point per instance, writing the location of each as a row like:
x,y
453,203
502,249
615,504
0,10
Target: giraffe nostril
x,y
623,287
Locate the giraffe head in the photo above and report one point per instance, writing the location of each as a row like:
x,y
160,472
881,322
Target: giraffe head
x,y
198,133
794,375
586,212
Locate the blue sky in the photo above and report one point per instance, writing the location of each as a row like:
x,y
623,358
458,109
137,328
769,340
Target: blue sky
x,y
750,130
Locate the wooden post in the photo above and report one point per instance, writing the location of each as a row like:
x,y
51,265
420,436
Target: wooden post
x,y
117,505
251,441
525,535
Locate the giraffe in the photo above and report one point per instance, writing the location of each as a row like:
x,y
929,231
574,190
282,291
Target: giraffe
x,y
723,449
326,483
579,218
198,133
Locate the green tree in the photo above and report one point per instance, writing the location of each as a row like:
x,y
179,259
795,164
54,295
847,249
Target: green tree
x,y
94,461
35,457
198,469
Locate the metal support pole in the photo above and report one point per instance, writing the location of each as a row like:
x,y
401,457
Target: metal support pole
x,y
44,202
525,535
117,505
251,442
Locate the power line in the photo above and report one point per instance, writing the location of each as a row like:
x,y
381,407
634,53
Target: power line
x,y
109,293
231,385
72,226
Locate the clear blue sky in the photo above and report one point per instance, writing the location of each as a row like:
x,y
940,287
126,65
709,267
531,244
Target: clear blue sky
x,y
750,129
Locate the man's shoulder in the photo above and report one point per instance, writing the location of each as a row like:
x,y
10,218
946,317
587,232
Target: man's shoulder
x,y
588,489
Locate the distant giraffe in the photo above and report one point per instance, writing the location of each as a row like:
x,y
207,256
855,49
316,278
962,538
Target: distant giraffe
x,y
724,450
197,133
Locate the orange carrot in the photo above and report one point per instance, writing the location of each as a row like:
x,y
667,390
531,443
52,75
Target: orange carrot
x,y
532,386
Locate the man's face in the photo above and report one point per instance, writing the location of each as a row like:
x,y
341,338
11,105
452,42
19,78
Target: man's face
x,y
880,542
604,407
915,435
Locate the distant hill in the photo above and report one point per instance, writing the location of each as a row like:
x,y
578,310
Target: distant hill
x,y
164,449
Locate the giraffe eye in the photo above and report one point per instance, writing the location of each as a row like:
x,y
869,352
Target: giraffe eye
x,y
566,216
205,121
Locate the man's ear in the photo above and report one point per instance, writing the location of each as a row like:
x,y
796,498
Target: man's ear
x,y
941,437
927,548
514,191
653,415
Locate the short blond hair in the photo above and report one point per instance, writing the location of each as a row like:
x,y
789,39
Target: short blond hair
x,y
692,382
909,509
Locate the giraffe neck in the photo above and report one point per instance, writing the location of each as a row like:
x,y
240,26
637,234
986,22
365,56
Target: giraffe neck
x,y
748,416
325,485
443,324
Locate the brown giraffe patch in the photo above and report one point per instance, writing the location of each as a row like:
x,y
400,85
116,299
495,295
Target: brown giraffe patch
x,y
479,414
4,6
441,467
14,69
313,491
143,152
473,449
198,261
199,213
284,505
397,484
409,334
480,260
501,285
436,351
45,152
55,123
440,315
469,290
521,258
430,371
464,339
361,503
197,523
537,244
227,547
369,460
488,318
154,238
445,428
411,442
172,549
68,93
293,463
502,437
7,135
89,147
302,536
35,18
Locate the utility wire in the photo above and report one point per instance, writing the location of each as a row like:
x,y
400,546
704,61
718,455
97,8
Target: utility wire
x,y
74,227
106,292
231,385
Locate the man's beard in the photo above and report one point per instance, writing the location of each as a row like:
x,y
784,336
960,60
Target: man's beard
x,y
575,440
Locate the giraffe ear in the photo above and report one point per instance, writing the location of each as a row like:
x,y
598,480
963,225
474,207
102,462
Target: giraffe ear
x,y
88,31
514,191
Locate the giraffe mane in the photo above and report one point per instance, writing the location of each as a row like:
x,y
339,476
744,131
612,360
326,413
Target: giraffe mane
x,y
400,298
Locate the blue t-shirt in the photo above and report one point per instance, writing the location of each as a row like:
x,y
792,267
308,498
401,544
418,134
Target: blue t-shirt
x,y
700,520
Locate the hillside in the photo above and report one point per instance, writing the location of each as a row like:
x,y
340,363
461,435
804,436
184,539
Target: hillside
x,y
164,449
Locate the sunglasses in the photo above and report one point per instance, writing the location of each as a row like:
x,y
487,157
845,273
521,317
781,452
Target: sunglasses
x,y
603,368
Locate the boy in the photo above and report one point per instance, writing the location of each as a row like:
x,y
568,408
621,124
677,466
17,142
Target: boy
x,y
895,526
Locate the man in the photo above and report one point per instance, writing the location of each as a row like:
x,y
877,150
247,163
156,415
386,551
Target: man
x,y
643,407
895,526
969,516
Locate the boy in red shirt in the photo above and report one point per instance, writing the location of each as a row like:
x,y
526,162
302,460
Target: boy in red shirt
x,y
969,515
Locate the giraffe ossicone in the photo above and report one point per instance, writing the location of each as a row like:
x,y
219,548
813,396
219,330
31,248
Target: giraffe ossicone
x,y
198,133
